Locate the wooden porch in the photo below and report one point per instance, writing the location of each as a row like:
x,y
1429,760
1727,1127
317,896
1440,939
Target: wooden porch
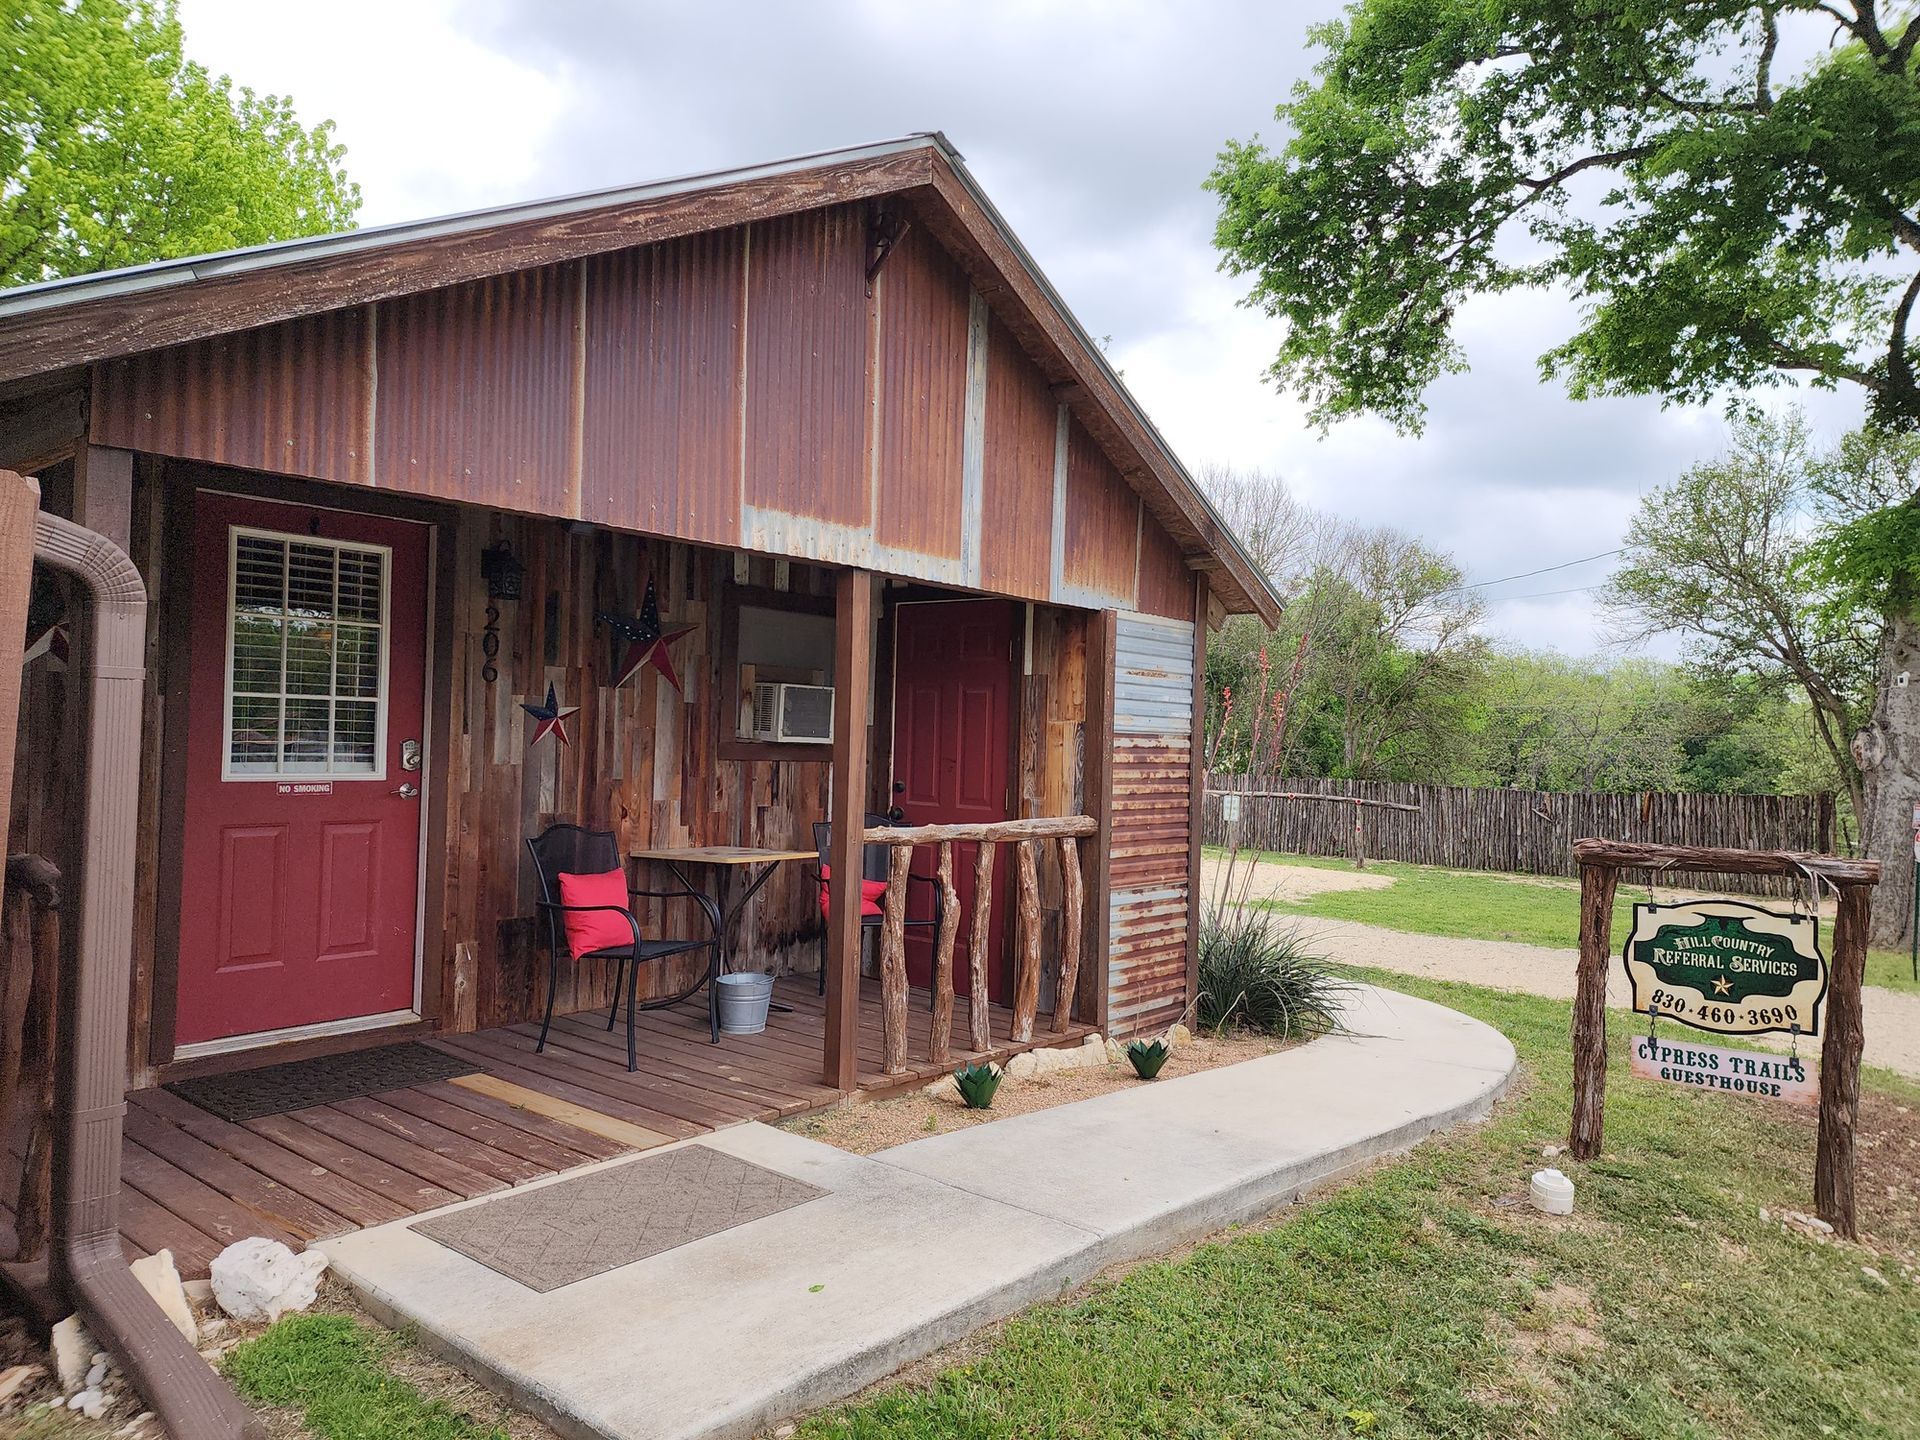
x,y
194,1183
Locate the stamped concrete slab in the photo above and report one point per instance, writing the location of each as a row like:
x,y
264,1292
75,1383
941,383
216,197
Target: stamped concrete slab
x,y
918,1246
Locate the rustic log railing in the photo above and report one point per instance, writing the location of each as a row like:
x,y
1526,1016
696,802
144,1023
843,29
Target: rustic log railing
x,y
29,988
1026,836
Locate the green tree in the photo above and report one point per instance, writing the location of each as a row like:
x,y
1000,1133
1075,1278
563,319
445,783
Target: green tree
x,y
1723,226
116,149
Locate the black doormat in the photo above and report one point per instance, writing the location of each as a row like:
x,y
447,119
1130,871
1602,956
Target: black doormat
x,y
298,1084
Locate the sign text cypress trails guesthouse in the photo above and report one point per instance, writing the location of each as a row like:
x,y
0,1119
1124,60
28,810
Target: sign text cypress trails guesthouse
x,y
1733,968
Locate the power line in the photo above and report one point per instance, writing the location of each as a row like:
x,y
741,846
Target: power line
x,y
1529,574
1542,594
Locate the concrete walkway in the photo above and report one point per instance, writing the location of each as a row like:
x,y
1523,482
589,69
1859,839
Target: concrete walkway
x,y
918,1246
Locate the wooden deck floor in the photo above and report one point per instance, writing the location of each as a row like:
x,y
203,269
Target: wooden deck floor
x,y
194,1183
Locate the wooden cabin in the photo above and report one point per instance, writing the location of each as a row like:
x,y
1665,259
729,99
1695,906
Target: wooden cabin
x,y
914,549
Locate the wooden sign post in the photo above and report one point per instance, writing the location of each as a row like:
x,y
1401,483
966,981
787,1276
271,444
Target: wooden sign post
x,y
1601,862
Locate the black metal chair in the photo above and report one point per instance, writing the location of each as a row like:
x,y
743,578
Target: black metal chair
x,y
572,850
873,866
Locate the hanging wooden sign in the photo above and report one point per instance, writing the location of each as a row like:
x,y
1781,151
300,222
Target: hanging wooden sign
x,y
1732,1072
1726,966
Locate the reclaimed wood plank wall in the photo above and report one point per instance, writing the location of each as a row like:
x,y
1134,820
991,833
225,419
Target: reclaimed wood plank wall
x,y
643,762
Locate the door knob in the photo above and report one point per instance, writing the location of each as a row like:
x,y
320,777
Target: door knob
x,y
408,791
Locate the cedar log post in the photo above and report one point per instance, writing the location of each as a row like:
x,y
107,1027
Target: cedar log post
x,y
1597,885
1026,990
893,963
940,1042
1072,904
1833,1198
852,680
979,1019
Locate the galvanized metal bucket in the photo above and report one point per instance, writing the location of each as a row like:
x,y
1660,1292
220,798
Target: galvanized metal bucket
x,y
743,1002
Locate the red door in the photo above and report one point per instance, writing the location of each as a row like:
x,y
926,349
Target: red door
x,y
952,731
307,678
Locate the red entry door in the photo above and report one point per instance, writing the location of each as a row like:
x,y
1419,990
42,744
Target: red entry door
x,y
307,678
952,731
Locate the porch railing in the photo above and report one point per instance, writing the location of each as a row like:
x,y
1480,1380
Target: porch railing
x,y
1027,837
29,986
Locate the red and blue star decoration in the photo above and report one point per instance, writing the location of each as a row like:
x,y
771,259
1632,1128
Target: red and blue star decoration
x,y
552,717
647,640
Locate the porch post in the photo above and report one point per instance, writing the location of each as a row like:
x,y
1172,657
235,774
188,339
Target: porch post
x,y
852,684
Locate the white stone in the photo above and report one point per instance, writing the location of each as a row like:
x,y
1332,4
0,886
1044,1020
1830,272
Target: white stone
x,y
157,1275
1097,1042
73,1351
1023,1066
261,1279
1177,1035
91,1402
1551,1152
97,1376
1875,1276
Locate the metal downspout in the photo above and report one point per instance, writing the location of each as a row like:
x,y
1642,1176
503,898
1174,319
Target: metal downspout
x,y
84,1254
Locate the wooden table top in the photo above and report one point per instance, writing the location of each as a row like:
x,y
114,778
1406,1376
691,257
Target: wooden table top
x,y
722,855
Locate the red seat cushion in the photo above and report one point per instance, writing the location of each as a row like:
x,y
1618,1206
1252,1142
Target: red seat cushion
x,y
872,893
595,929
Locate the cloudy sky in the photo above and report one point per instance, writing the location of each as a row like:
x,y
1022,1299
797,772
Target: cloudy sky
x,y
1091,124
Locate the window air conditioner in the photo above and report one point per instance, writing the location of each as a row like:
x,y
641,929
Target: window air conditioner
x,y
793,714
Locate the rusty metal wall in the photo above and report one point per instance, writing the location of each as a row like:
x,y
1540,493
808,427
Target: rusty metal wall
x,y
1152,823
1101,523
806,381
921,400
475,392
1016,551
660,447
289,398
735,388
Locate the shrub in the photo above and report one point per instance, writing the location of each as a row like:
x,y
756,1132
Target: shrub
x,y
1261,972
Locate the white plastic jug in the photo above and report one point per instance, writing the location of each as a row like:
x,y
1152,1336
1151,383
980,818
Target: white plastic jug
x,y
1551,1192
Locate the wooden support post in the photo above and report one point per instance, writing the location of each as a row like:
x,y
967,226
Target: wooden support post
x,y
1833,1197
893,963
1072,905
979,1018
103,492
1597,885
852,681
19,508
940,1042
1026,986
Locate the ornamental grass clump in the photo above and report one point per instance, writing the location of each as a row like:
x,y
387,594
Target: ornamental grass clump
x,y
976,1084
1147,1057
1265,974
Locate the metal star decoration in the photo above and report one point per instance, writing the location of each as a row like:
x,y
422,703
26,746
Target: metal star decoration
x,y
647,641
552,718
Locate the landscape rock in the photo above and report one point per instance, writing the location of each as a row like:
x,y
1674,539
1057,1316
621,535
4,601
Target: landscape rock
x,y
91,1402
1024,1065
1875,1276
97,1376
1552,1152
261,1279
157,1275
1177,1035
1812,1226
16,1378
73,1352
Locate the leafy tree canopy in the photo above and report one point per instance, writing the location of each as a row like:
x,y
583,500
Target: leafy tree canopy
x,y
116,149
1722,224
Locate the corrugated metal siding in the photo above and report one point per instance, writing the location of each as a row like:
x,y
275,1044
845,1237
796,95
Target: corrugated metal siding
x,y
1016,550
807,333
288,398
1102,523
661,426
922,398
475,392
1152,824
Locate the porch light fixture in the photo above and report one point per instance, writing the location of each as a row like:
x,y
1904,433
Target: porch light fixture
x,y
502,570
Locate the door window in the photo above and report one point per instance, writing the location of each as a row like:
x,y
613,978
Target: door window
x,y
306,658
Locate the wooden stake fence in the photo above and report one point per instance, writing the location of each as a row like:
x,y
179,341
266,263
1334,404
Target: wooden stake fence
x,y
1026,836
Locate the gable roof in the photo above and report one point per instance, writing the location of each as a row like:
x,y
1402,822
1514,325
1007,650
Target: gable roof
x,y
62,324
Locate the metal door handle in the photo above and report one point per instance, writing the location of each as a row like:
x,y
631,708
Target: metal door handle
x,y
408,791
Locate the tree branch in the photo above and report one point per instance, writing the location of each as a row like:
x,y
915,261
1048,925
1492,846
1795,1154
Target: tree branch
x,y
1574,167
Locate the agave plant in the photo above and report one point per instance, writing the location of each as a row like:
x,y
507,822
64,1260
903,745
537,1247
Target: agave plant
x,y
976,1084
1147,1056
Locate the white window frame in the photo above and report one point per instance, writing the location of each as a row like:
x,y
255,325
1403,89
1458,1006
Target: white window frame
x,y
235,533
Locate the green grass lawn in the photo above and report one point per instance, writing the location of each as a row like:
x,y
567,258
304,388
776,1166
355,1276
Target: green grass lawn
x,y
1418,1302
1475,905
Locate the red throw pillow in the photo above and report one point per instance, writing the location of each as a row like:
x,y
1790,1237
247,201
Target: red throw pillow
x,y
872,894
593,930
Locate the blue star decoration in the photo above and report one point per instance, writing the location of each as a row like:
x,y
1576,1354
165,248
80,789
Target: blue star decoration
x,y
553,719
647,640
